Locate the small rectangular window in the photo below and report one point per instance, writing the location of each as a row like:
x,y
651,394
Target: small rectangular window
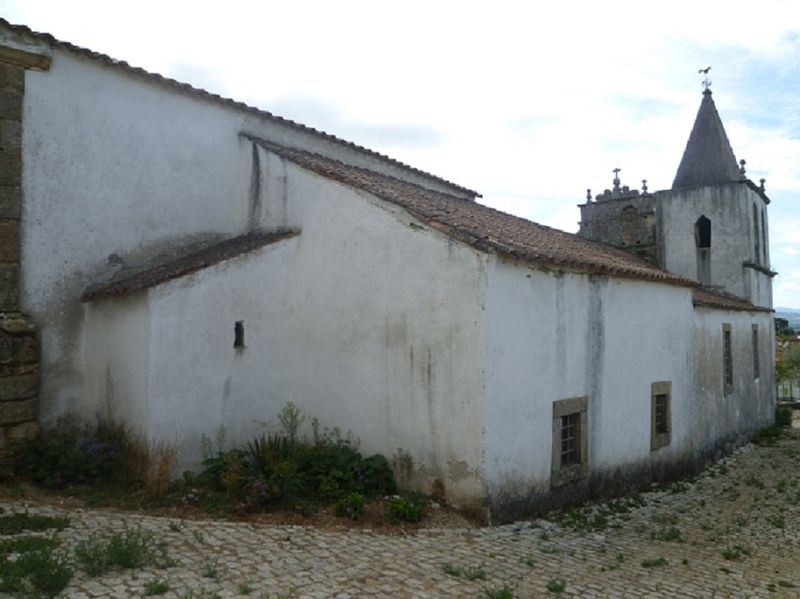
x,y
569,440
727,358
660,414
238,334
756,365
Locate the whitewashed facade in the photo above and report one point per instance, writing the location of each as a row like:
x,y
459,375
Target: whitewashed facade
x,y
454,339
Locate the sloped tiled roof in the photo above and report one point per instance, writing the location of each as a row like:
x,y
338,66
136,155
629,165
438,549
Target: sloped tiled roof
x,y
160,271
708,158
485,228
706,298
189,89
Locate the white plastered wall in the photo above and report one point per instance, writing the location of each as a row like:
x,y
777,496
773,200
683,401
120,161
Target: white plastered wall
x,y
556,336
116,357
344,321
729,206
722,419
114,163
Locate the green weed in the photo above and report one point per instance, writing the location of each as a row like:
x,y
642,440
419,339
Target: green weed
x,y
654,563
556,585
16,523
155,586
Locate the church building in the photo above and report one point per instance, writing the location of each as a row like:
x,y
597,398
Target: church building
x,y
184,262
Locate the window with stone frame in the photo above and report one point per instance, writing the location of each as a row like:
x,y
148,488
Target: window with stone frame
x,y
570,441
756,363
727,359
660,414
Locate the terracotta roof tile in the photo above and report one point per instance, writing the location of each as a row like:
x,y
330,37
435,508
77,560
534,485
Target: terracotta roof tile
x,y
706,298
485,228
150,275
189,89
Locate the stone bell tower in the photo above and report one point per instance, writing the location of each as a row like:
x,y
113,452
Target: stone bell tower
x,y
711,225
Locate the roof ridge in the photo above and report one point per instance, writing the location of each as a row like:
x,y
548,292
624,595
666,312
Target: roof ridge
x,y
187,87
496,236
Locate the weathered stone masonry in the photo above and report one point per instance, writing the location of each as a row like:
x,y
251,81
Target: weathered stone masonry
x,y
19,346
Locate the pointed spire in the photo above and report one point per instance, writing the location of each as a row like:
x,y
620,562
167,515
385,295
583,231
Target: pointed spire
x,y
708,158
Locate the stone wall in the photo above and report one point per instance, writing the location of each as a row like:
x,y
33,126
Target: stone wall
x,y
19,346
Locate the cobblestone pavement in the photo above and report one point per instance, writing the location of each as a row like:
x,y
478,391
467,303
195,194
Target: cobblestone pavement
x,y
669,543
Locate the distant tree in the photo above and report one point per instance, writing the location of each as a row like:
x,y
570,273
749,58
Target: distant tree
x,y
788,367
782,328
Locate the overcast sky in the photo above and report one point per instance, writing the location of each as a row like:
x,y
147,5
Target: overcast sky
x,y
529,103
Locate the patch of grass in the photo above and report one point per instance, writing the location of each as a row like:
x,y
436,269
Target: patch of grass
x,y
126,550
556,585
155,586
654,563
503,592
778,521
475,573
35,573
667,534
210,569
243,588
27,544
767,436
451,570
582,520
528,561
754,481
16,523
665,519
736,552
786,584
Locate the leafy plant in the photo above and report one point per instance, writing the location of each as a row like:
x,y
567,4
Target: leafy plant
x,y
736,552
155,586
36,572
654,563
351,506
127,550
556,585
408,509
503,592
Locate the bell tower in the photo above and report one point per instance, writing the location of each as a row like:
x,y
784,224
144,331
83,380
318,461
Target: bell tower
x,y
711,226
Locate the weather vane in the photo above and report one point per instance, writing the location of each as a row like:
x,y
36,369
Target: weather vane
x,y
706,81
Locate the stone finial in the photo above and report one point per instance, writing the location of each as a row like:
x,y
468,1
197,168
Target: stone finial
x,y
742,170
616,189
762,181
644,185
588,195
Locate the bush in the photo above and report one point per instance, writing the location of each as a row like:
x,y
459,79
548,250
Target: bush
x,y
351,506
408,509
783,416
279,468
71,454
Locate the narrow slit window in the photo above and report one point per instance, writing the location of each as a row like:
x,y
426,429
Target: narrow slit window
x,y
756,235
660,414
662,422
756,364
727,358
238,334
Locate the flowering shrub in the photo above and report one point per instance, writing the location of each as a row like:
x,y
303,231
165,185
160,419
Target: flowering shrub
x,y
71,454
